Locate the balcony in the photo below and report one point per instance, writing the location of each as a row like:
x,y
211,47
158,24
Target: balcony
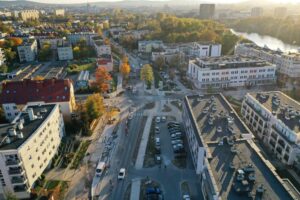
x,y
14,171
20,188
12,162
18,180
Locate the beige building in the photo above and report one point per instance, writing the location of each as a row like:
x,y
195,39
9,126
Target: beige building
x,y
27,147
29,15
59,12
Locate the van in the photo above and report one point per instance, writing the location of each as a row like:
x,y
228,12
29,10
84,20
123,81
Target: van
x,y
157,142
100,168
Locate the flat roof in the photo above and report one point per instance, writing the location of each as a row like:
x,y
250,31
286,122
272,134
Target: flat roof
x,y
29,127
225,62
223,132
288,110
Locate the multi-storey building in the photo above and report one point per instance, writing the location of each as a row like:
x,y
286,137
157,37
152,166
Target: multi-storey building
x,y
54,42
27,51
230,71
59,12
229,163
280,12
65,51
100,47
29,15
168,54
27,147
82,81
274,117
2,57
105,61
149,45
287,63
204,50
207,11
257,11
74,38
16,94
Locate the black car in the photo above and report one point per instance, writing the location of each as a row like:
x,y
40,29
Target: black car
x,y
174,126
174,130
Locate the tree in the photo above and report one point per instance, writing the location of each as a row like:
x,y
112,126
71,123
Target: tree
x,y
10,196
38,78
175,61
102,79
147,74
94,106
45,52
3,68
159,62
10,55
125,67
16,41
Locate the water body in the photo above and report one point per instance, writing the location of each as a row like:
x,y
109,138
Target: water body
x,y
271,42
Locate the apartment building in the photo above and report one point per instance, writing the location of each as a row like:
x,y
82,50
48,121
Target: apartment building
x,y
27,147
59,12
16,94
105,61
230,71
26,15
257,12
65,51
228,162
27,51
149,45
74,38
100,47
287,63
54,42
274,117
2,57
207,11
168,54
204,49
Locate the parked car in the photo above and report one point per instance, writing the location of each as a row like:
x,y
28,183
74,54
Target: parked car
x,y
173,122
178,146
157,130
121,174
173,125
130,116
157,120
154,190
174,131
176,142
177,135
157,141
186,197
163,119
158,159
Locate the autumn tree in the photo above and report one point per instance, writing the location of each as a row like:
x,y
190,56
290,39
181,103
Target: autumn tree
x,y
125,67
94,106
16,41
147,74
38,78
102,79
45,52
159,62
10,55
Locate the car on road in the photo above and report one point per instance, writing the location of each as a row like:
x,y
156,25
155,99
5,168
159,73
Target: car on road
x,y
100,168
157,119
121,174
157,130
176,142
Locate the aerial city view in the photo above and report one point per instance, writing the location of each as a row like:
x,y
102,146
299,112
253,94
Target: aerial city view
x,y
150,100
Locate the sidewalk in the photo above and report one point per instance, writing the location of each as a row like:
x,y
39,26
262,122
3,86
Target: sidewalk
x,y
135,189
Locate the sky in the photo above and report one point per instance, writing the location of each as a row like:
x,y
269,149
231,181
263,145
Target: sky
x,y
211,1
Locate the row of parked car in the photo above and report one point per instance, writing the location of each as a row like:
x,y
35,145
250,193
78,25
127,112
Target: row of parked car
x,y
176,136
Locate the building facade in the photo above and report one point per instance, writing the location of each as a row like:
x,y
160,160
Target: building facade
x,y
65,52
287,64
205,50
149,46
54,42
16,94
27,51
26,15
100,47
29,144
207,11
230,71
257,12
74,38
59,12
2,57
274,117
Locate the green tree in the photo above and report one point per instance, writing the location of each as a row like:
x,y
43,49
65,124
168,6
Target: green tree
x,y
147,74
94,106
10,55
3,68
45,52
159,63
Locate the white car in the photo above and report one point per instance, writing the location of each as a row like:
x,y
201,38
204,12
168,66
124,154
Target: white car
x,y
121,174
157,130
163,119
157,120
186,197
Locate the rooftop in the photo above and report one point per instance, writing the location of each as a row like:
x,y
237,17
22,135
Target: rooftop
x,y
27,90
225,62
29,126
282,106
229,148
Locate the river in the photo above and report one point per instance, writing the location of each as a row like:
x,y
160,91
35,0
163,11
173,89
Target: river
x,y
271,42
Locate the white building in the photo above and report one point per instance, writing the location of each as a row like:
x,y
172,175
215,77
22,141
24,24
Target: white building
x,y
149,45
59,12
54,42
230,71
29,15
204,50
274,117
2,57
65,52
27,51
225,157
27,147
100,47
287,63
74,38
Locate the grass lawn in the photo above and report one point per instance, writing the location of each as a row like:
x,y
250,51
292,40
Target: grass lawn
x,y
80,154
80,67
149,160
